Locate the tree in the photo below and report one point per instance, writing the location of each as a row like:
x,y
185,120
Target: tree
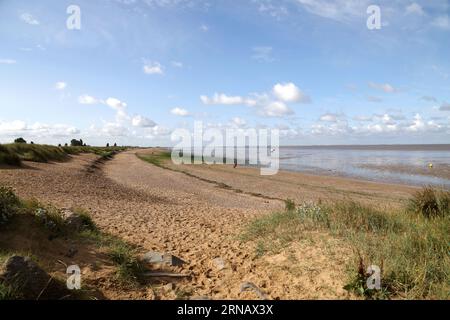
x,y
76,143
115,144
107,145
20,140
65,144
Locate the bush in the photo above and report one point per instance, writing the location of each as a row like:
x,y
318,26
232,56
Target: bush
x,y
430,203
20,140
289,204
9,158
9,204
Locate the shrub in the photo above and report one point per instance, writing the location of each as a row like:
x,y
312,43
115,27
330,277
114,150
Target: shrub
x,y
430,202
20,140
129,267
88,223
9,204
9,158
51,218
289,204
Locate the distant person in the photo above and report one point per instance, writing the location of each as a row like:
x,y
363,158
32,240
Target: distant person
x,y
235,163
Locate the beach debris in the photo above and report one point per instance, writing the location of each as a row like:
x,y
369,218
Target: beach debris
x,y
34,282
219,263
430,165
250,286
165,274
153,257
169,287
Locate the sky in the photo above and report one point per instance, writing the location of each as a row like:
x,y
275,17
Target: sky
x,y
136,70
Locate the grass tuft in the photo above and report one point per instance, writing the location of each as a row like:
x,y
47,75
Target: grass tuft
x,y
411,250
431,203
9,204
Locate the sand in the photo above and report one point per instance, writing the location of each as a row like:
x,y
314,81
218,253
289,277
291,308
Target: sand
x,y
162,210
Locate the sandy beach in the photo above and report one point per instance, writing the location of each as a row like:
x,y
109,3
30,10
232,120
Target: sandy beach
x,y
197,215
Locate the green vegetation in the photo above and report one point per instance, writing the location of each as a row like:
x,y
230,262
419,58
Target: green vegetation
x,y
411,249
121,254
9,204
20,140
13,154
7,157
431,203
157,158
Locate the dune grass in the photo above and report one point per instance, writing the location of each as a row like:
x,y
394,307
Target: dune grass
x,y
51,222
8,157
157,158
13,154
410,247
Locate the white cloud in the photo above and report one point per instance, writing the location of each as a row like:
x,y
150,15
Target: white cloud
x,y
338,10
442,22
329,117
262,54
223,99
415,8
18,128
386,87
289,92
204,28
8,61
87,99
238,122
276,109
28,18
60,85
114,129
116,104
142,122
362,118
153,68
179,112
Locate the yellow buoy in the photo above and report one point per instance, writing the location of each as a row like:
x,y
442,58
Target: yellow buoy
x,y
430,165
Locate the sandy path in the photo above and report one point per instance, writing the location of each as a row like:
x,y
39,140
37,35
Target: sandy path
x,y
163,210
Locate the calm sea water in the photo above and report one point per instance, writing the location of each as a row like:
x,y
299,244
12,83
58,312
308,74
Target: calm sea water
x,y
352,161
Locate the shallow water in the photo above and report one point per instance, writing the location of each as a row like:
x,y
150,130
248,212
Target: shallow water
x,y
352,162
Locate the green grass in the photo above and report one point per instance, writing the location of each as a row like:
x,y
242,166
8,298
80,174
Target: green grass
x,y
431,203
7,157
9,204
122,255
411,249
157,158
13,154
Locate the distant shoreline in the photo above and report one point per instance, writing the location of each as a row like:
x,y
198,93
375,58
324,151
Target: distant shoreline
x,y
399,147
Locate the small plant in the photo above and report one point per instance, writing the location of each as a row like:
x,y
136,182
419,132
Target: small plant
x,y
129,267
358,284
430,203
9,204
87,222
314,213
289,205
51,218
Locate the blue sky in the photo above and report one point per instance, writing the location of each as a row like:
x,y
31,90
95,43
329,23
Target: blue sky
x,y
138,69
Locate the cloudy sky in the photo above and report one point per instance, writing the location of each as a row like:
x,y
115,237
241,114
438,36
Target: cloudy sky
x,y
138,69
